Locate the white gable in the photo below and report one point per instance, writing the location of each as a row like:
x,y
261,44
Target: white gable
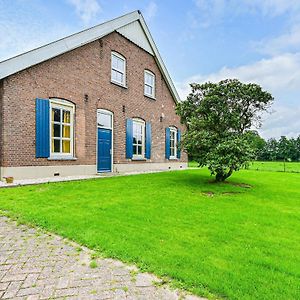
x,y
135,33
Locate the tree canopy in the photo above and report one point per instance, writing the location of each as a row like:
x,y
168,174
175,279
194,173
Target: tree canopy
x,y
218,117
287,149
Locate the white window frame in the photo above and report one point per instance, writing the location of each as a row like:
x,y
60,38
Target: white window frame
x,y
66,105
118,70
139,122
146,84
173,130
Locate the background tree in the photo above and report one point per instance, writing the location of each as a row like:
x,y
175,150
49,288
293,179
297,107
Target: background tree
x,y
218,116
284,149
257,143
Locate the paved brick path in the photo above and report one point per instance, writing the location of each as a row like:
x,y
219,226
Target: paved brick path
x,y
34,265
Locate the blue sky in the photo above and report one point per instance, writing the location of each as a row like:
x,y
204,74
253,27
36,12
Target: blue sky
x,y
199,40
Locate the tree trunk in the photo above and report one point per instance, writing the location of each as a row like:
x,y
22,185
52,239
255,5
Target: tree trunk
x,y
221,177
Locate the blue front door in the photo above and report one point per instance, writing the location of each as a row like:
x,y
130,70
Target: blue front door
x,y
104,150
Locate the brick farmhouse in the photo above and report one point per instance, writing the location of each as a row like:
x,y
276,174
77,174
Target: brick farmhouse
x,y
100,100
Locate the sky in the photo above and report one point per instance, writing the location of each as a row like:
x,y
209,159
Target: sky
x,y
199,40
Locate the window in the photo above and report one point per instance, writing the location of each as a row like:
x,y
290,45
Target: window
x,y
138,142
149,85
118,69
173,142
104,119
61,128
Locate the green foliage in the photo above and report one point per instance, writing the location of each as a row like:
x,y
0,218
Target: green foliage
x,y
240,243
218,117
284,149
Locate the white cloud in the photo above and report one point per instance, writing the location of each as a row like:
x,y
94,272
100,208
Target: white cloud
x,y
273,8
212,12
150,11
279,75
86,9
275,74
284,120
287,42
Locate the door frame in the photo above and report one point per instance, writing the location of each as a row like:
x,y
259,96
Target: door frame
x,y
108,112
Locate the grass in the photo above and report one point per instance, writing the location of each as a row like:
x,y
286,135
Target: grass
x,y
93,264
216,240
274,166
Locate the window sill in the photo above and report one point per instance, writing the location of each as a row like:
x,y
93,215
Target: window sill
x,y
119,84
138,159
150,97
173,158
62,158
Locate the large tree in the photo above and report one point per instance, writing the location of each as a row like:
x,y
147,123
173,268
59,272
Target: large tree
x,y
218,117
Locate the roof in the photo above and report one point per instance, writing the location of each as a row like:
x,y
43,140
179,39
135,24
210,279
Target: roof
x,y
131,25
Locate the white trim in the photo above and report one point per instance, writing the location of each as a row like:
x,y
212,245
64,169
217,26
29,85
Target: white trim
x,y
149,167
146,84
174,130
33,172
36,172
108,112
62,104
46,52
123,72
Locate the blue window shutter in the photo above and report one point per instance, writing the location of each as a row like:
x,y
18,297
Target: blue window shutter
x,y
168,143
42,131
178,143
148,141
129,138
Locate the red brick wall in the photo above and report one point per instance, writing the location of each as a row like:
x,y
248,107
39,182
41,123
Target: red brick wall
x,y
1,121
86,70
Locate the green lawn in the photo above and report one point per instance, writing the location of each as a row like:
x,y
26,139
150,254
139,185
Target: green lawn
x,y
217,240
275,166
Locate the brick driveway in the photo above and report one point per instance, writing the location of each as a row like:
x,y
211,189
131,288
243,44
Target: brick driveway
x,y
35,265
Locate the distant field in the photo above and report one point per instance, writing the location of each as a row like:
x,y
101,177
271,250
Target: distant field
x,y
275,166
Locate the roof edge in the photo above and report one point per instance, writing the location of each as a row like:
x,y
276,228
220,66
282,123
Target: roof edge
x,y
43,53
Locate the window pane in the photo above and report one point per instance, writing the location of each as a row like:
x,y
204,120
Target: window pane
x,y
120,77
66,116
120,63
117,76
55,114
140,129
149,90
134,140
139,150
134,150
114,61
172,135
66,146
172,143
55,130
172,152
114,75
66,131
104,120
56,146
149,79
